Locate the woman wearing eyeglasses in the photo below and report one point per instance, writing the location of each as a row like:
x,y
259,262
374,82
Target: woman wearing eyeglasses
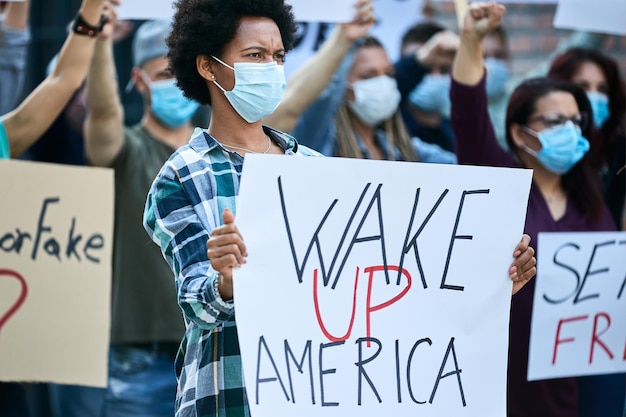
x,y
547,123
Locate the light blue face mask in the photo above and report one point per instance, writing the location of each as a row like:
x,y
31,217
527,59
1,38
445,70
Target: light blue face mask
x,y
168,104
600,107
258,88
497,76
432,94
561,147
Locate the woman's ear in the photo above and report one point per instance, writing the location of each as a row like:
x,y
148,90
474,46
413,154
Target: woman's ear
x,y
138,81
204,65
516,134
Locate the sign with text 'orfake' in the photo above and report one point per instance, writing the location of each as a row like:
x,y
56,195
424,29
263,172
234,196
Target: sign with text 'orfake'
x,y
56,226
579,308
376,287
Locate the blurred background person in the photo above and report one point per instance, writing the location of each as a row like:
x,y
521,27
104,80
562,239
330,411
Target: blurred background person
x,y
357,115
598,74
423,77
146,323
14,41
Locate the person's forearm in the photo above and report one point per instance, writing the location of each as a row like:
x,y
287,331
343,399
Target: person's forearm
x,y
307,83
468,67
16,15
102,89
105,117
38,111
75,56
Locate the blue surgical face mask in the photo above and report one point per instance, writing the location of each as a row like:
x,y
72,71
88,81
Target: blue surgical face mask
x,y
497,76
258,89
600,107
375,99
561,147
432,94
168,104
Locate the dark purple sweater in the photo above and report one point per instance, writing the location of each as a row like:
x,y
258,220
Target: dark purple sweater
x,y
476,144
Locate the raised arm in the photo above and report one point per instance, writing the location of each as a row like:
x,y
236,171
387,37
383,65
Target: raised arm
x,y
27,122
475,137
104,123
16,15
14,41
481,18
307,83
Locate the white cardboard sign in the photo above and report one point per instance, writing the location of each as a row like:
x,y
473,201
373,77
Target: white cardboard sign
x,y
376,287
55,272
146,9
304,10
579,308
323,10
602,16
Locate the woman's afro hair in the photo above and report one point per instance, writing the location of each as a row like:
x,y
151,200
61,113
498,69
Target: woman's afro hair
x,y
204,27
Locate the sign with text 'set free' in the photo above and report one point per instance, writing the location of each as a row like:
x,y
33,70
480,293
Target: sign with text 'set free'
x,y
579,307
56,226
376,286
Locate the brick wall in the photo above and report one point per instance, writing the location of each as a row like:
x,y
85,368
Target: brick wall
x,y
531,35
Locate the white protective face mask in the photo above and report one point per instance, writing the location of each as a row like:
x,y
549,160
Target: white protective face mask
x,y
258,88
375,99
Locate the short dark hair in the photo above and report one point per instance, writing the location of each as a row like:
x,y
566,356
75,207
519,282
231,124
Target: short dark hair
x,y
580,182
421,32
204,27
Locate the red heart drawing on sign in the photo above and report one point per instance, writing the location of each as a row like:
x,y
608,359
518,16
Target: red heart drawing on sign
x,y
20,300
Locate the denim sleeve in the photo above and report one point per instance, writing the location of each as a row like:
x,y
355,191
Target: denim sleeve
x,y
173,223
431,153
13,48
316,126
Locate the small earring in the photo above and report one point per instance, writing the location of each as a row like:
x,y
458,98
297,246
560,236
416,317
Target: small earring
x,y
212,76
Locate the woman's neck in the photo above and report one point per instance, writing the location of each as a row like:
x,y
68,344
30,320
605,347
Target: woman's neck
x,y
549,184
230,129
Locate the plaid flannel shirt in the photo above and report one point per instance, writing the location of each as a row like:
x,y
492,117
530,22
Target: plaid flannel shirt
x,y
184,204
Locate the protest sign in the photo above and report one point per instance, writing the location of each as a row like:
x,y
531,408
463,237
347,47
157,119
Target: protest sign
x,y
511,1
601,16
376,286
55,272
579,308
323,10
393,19
146,10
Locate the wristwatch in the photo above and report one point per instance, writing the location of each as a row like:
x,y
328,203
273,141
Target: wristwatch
x,y
81,27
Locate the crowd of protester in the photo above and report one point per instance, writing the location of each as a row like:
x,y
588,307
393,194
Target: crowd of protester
x,y
450,98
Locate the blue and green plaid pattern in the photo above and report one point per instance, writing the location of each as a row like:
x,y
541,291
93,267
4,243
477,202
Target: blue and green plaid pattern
x,y
184,204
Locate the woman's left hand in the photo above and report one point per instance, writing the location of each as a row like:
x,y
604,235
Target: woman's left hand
x,y
523,267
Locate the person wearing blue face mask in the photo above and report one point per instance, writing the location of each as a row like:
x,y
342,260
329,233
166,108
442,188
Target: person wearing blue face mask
x,y
146,329
424,82
548,124
598,74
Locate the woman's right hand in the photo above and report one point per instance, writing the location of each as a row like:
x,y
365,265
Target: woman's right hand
x,y
362,23
482,18
226,250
